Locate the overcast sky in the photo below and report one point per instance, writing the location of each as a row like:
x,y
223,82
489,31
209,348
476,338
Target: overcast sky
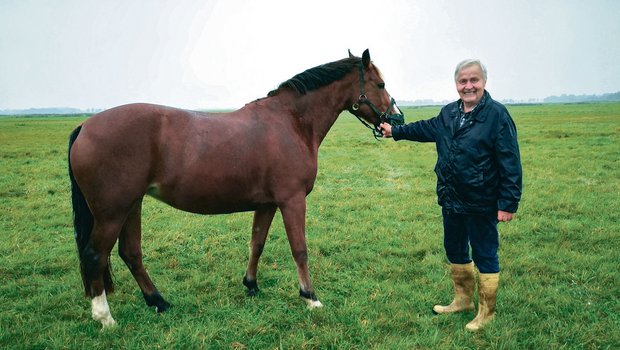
x,y
223,54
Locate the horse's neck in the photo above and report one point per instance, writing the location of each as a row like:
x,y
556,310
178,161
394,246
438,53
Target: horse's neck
x,y
318,111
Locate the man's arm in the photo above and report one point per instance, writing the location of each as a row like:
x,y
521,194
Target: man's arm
x,y
421,131
510,172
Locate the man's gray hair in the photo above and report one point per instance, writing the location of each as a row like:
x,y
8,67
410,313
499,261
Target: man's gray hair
x,y
468,63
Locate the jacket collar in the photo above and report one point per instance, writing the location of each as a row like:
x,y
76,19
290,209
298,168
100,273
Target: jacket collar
x,y
476,115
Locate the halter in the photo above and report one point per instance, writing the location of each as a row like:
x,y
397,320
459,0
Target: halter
x,y
385,117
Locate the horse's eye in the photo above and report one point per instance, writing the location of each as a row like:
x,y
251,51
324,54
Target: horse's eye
x,y
381,85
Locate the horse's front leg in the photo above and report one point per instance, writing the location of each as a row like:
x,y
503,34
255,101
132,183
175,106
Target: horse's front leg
x,y
294,216
262,221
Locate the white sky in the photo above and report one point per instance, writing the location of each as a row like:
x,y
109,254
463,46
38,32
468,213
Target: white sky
x,y
223,54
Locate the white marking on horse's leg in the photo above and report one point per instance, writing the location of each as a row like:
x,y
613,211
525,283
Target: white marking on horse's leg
x,y
101,311
313,304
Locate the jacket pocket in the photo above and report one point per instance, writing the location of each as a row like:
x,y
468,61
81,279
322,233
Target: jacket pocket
x,y
472,189
472,178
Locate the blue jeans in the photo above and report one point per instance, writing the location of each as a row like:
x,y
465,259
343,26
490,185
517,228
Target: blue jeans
x,y
477,230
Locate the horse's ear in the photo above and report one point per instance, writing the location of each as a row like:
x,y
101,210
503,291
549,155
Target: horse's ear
x,y
350,54
366,58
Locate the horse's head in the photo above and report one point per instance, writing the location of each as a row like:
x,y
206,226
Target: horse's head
x,y
374,104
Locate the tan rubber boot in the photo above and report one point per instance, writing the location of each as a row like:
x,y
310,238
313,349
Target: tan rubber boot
x,y
487,294
463,279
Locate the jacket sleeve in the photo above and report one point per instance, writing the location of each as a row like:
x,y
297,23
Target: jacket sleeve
x,y
509,161
421,131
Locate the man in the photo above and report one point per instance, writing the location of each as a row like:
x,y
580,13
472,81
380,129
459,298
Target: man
x,y
478,184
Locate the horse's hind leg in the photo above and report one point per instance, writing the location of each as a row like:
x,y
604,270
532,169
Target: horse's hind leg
x,y
96,267
130,250
260,227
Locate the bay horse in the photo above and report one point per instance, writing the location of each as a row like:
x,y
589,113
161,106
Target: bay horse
x,y
259,158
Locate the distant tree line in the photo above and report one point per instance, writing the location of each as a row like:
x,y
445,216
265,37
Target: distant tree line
x,y
583,98
48,111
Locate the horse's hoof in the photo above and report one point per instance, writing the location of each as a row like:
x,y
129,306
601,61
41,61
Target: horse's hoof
x,y
313,304
162,307
107,323
252,287
158,301
311,300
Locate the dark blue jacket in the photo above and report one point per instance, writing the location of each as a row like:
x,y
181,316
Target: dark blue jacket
x,y
478,165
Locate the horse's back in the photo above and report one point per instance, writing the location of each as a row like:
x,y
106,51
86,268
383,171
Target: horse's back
x,y
134,117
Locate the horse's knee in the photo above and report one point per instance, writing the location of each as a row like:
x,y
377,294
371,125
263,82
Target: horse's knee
x,y
300,255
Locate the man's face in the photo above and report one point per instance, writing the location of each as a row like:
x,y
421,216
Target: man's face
x,y
470,85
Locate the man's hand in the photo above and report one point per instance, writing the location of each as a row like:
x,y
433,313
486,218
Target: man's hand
x,y
387,129
504,216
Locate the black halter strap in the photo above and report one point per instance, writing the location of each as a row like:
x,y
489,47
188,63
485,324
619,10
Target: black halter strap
x,y
383,116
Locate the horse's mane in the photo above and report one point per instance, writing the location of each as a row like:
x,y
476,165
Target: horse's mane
x,y
319,76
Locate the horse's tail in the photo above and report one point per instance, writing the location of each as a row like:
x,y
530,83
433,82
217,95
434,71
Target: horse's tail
x,y
83,222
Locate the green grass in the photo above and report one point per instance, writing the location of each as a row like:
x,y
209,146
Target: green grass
x,y
375,246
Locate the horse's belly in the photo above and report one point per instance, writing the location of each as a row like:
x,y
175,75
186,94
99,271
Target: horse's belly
x,y
208,202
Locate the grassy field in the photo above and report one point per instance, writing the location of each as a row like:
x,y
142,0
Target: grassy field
x,y
375,247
